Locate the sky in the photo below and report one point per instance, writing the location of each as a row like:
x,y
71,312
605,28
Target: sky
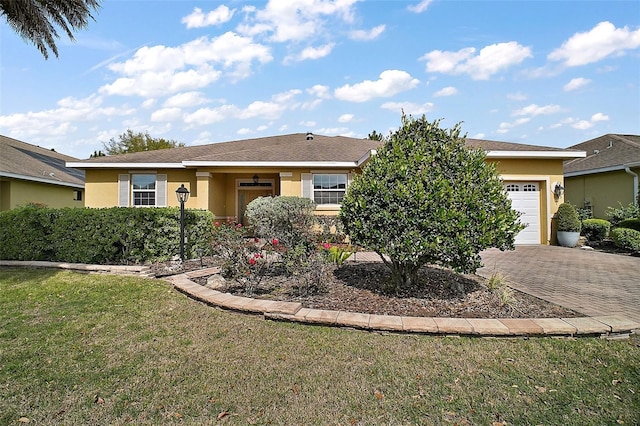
x,y
551,73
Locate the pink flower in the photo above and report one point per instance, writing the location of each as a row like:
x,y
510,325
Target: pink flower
x,y
252,261
239,225
256,240
275,241
216,224
326,246
257,255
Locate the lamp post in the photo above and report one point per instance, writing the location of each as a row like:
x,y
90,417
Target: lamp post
x,y
183,195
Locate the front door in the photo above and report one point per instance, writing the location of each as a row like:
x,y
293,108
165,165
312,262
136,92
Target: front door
x,y
245,196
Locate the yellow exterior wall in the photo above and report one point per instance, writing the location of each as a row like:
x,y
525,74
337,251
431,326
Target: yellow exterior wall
x,y
601,190
15,193
221,184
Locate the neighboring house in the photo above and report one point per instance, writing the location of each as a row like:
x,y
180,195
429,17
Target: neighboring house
x,y
607,176
225,177
31,174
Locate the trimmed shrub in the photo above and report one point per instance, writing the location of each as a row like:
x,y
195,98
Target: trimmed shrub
x,y
630,224
628,239
595,229
568,220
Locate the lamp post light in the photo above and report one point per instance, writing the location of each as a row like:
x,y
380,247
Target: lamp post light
x,y
183,195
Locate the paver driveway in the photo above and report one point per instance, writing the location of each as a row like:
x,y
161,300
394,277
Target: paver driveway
x,y
589,282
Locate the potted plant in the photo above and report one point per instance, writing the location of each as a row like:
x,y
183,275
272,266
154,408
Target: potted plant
x,y
568,225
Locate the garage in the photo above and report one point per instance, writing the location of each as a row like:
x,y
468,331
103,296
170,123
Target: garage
x,y
525,198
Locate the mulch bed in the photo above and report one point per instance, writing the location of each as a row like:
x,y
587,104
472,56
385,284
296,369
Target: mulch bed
x,y
359,287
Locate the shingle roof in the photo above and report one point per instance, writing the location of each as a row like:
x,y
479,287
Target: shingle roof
x,y
25,161
285,148
609,151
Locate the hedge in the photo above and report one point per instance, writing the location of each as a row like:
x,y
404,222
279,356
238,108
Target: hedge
x,y
117,235
628,239
595,229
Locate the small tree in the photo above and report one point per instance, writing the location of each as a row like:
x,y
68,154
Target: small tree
x,y
136,142
427,199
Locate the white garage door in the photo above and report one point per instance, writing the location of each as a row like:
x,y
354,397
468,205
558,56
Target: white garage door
x,y
525,198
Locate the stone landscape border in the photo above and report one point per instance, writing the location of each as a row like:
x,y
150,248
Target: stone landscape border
x,y
603,326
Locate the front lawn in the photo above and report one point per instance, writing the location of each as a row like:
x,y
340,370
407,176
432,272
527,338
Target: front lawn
x,y
100,349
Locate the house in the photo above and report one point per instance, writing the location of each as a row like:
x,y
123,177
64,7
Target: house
x,y
607,176
225,177
31,174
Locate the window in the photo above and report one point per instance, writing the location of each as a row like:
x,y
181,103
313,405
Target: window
x,y
329,188
77,195
144,190
530,187
513,187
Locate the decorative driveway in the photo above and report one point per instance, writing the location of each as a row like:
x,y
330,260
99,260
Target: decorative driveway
x,y
590,282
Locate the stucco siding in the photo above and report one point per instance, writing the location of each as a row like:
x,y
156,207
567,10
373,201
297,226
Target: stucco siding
x,y
16,193
602,190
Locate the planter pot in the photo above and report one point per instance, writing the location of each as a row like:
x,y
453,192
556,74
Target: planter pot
x,y
568,239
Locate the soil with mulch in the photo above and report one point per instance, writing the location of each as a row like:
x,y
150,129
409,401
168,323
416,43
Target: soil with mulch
x,y
361,287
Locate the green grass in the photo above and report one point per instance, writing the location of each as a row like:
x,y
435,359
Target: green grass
x,y
150,355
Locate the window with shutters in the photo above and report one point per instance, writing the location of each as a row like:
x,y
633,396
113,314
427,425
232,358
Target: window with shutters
x,y
329,188
142,190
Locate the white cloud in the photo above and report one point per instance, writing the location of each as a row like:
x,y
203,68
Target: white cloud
x,y
198,19
244,131
260,109
420,7
534,110
320,91
159,70
148,103
517,96
58,121
336,131
308,123
446,91
158,83
478,136
310,53
390,83
408,107
285,21
601,41
504,127
575,83
166,114
582,125
489,61
599,117
286,97
345,118
204,116
363,35
186,99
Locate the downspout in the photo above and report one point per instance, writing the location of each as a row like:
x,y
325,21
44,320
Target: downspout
x,y
635,184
